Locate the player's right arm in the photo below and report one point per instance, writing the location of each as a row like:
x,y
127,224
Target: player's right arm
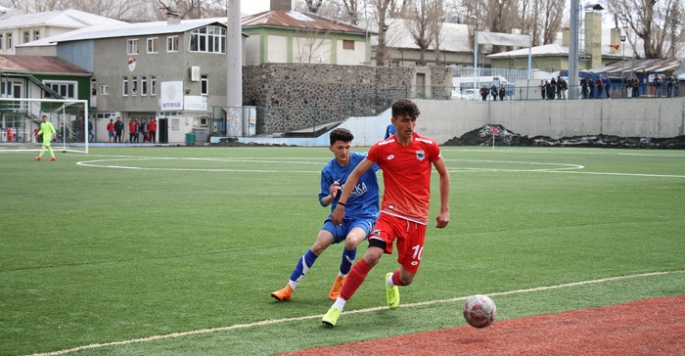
x,y
339,212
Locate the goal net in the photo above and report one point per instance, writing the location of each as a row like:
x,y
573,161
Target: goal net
x,y
20,121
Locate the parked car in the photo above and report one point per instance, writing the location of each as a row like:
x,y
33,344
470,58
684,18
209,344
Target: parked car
x,y
471,94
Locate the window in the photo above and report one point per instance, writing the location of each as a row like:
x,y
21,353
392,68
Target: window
x,y
348,44
153,85
172,44
66,89
211,39
104,89
143,85
2,40
9,41
132,47
27,37
125,85
153,45
134,85
104,115
204,85
36,35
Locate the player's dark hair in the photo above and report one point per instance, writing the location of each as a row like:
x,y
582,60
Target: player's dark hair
x,y
405,106
341,134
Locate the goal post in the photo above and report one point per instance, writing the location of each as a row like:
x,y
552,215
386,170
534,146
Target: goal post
x,y
20,120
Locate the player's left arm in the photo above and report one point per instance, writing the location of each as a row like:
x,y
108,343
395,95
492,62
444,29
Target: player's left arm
x,y
443,217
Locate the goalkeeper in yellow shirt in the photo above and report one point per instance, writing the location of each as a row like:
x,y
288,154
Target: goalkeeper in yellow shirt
x,y
49,134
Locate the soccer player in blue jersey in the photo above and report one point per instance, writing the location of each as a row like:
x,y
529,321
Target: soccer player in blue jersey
x,y
361,208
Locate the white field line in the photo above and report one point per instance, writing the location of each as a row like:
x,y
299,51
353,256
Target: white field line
x,y
367,310
563,167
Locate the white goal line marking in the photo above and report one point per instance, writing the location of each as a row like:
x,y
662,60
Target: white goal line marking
x,y
367,310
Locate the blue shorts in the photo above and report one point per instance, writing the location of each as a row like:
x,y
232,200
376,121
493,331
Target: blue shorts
x,y
340,232
111,133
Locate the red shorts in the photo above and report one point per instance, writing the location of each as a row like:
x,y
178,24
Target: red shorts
x,y
409,235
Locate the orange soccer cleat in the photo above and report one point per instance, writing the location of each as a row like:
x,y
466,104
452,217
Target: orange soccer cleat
x,y
283,294
53,158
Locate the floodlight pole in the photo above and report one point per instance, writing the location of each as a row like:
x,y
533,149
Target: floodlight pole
x,y
573,51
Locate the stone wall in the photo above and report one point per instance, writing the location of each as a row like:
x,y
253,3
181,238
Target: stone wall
x,y
298,96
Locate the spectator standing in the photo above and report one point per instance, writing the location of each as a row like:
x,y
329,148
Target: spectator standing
x,y
110,130
552,92
543,90
636,88
91,133
591,88
142,128
607,87
118,129
563,86
502,92
152,129
583,87
132,130
600,87
669,86
676,86
656,82
484,92
493,92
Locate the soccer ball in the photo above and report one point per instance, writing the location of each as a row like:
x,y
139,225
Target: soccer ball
x,y
480,311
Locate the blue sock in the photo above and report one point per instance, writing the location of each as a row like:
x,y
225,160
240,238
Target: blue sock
x,y
347,261
303,265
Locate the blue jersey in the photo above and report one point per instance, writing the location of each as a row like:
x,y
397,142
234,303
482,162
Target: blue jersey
x,y
363,202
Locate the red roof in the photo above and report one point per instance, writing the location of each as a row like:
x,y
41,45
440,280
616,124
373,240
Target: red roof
x,y
297,20
39,64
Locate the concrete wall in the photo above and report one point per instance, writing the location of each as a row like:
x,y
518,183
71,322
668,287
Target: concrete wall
x,y
658,118
443,120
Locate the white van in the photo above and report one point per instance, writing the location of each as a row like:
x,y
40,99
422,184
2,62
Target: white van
x,y
467,85
461,83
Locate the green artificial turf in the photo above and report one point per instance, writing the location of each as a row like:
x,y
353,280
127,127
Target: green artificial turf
x,y
129,243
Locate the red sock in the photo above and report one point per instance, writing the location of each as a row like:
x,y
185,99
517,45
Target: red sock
x,y
396,278
355,279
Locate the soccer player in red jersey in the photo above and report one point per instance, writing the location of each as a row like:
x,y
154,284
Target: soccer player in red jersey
x,y
406,160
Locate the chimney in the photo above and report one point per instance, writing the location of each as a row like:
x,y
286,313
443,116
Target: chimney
x,y
593,37
282,5
171,15
615,39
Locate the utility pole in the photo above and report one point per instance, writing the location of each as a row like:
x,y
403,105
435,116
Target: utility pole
x,y
574,30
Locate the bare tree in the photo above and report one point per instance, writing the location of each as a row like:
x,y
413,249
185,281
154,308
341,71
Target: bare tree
x,y
192,9
313,6
352,8
657,23
311,45
38,5
419,24
438,13
550,22
380,9
123,10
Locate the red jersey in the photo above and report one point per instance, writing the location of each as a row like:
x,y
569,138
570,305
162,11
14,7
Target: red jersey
x,y
406,176
110,127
